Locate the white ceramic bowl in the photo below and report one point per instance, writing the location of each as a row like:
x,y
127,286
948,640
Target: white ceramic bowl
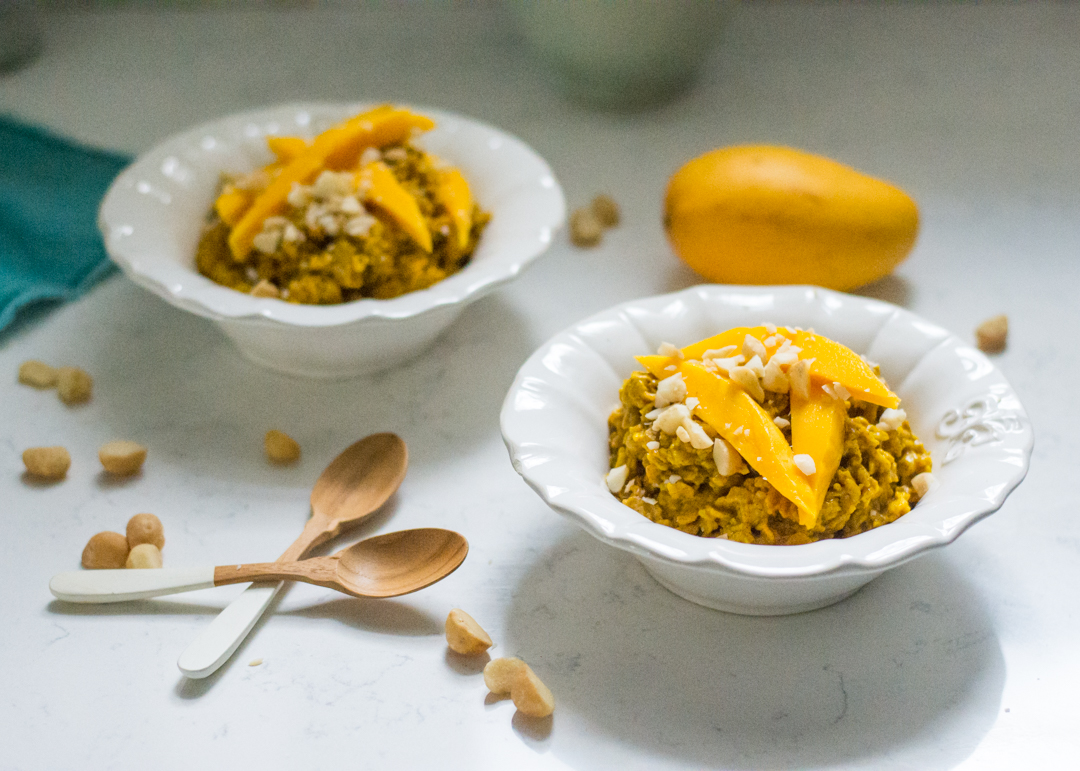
x,y
153,214
554,423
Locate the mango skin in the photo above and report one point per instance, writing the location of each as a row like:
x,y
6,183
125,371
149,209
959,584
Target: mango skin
x,y
775,215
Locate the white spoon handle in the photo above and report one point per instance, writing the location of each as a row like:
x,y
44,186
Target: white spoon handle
x,y
220,640
97,586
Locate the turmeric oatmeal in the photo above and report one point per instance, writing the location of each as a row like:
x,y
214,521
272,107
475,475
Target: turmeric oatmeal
x,y
764,435
357,212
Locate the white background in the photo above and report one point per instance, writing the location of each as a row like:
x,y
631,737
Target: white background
x,y
964,658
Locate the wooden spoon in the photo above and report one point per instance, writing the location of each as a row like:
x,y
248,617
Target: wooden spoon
x,y
383,566
355,484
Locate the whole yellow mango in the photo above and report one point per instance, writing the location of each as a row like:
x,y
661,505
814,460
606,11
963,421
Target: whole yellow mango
x,y
776,215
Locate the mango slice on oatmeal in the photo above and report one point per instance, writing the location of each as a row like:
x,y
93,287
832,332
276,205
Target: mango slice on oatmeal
x,y
387,194
453,193
336,149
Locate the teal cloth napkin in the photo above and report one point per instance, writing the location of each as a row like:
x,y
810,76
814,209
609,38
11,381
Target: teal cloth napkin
x,y
50,189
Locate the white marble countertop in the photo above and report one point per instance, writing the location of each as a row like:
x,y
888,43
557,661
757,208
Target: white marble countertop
x,y
964,658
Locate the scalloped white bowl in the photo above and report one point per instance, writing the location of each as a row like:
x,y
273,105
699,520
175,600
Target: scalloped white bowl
x,y
152,217
554,423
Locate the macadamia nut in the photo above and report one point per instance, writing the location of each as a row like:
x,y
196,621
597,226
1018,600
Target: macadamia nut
x,y
513,676
74,385
606,210
280,447
37,374
47,462
105,551
501,674
145,528
464,635
122,457
143,556
992,334
585,229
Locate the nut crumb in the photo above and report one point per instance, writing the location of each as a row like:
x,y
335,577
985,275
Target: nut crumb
x,y
255,662
585,229
37,374
992,334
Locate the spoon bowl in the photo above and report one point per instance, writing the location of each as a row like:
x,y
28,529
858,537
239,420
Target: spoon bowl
x,y
398,563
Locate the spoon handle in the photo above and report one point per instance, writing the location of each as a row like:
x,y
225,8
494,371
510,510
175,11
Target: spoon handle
x,y
98,586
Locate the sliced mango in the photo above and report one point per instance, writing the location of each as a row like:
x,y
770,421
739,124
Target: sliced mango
x,y
833,362
286,148
817,430
232,204
337,148
454,194
387,194
732,412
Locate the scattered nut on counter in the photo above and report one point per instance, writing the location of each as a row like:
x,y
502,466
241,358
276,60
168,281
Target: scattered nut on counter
x,y
145,528
74,385
280,447
511,675
105,551
585,228
47,462
37,374
992,334
145,555
122,457
464,635
606,210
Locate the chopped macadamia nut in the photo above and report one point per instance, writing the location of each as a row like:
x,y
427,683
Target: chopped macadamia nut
x,y
727,459
805,464
585,228
753,347
891,419
37,374
464,635
105,551
799,377
672,418
122,457
670,390
720,353
698,438
748,379
606,210
47,462
145,528
280,447
775,379
144,556
781,423
667,349
74,385
992,334
923,483
616,478
265,289
682,434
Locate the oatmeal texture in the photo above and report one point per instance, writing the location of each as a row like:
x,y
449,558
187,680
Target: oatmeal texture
x,y
674,484
341,254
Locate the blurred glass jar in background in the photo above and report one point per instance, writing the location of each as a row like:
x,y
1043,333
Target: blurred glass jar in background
x,y
621,54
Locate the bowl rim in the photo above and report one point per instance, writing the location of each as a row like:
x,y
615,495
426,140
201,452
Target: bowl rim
x,y
549,470
185,287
